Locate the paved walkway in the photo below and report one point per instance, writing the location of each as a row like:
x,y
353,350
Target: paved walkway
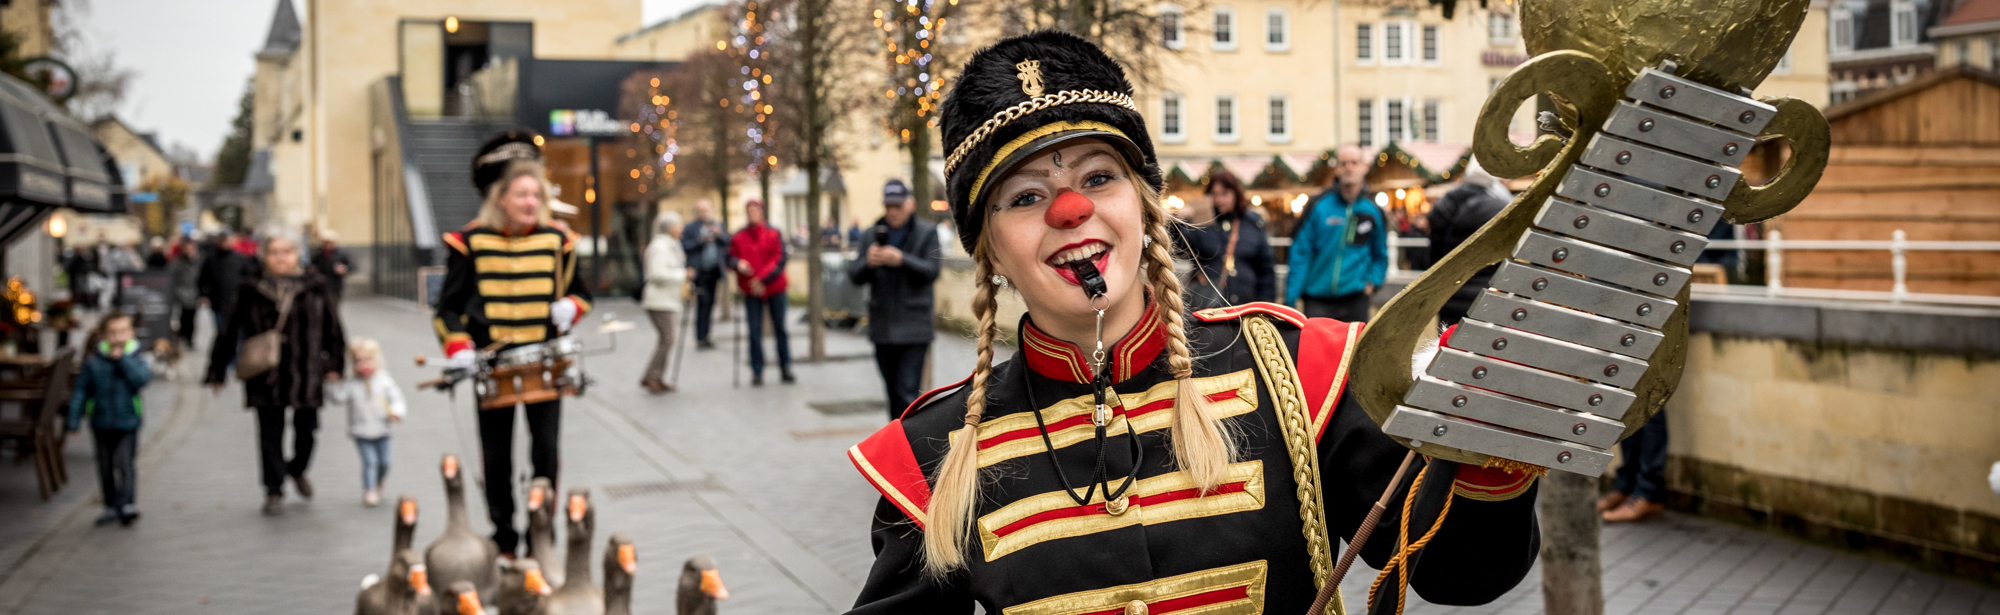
x,y
752,476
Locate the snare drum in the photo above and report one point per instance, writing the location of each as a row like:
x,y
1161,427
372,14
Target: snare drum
x,y
530,374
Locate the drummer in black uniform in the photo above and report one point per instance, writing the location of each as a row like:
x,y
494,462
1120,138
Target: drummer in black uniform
x,y
510,280
1131,457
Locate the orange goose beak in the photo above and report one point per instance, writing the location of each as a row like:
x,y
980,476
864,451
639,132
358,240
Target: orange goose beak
x,y
628,558
420,579
577,506
535,583
451,466
409,512
535,497
468,604
711,584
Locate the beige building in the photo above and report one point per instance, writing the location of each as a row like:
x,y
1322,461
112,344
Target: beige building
x,y
138,155
1970,35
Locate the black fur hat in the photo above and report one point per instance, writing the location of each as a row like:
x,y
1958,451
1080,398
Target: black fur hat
x,y
1024,94
491,162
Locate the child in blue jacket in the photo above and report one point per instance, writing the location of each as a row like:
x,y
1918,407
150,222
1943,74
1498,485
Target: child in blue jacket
x,y
107,391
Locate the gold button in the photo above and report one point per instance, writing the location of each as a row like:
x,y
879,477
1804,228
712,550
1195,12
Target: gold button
x,y
1118,507
1135,607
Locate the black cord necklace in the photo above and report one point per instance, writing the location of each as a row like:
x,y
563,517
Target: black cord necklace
x,y
1100,383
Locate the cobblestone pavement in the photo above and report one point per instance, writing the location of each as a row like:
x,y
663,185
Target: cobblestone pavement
x,y
755,477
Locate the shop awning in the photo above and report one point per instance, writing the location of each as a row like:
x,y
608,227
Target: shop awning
x,y
48,160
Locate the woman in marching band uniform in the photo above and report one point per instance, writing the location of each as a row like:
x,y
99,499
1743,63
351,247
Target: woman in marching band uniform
x,y
510,280
1132,457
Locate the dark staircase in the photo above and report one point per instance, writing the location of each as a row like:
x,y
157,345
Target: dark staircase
x,y
443,149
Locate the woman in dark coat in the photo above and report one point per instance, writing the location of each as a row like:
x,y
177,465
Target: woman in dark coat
x,y
313,351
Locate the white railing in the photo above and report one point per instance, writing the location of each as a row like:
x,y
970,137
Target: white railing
x,y
1898,246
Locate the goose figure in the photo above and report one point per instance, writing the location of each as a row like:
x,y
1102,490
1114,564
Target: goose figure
x,y
700,587
407,590
374,596
461,554
522,587
621,561
542,526
578,595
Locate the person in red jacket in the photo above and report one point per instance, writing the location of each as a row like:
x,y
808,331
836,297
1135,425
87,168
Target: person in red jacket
x,y
758,252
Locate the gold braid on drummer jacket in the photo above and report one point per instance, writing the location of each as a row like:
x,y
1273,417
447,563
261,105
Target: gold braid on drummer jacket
x,y
497,287
1238,549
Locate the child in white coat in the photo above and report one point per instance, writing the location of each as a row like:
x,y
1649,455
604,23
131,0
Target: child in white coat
x,y
374,404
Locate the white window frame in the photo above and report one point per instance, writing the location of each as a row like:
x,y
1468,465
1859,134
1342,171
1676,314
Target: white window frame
x,y
1364,122
1396,49
1510,30
1433,114
1234,122
1396,118
1278,119
1283,31
1365,37
1222,15
1903,24
1840,38
1180,117
1173,27
1962,51
1431,48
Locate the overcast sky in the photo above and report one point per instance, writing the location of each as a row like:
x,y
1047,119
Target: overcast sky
x,y
191,58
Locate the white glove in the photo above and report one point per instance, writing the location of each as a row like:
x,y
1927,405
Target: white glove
x,y
461,360
563,312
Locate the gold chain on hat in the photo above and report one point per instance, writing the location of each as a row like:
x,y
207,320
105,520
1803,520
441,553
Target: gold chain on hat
x,y
1032,105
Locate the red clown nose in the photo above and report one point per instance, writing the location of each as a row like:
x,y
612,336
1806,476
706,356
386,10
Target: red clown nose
x,y
1069,211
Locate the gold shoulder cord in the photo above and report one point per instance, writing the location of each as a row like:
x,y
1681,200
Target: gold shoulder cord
x,y
1282,378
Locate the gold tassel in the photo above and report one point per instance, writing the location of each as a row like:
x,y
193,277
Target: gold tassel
x,y
1400,564
1516,467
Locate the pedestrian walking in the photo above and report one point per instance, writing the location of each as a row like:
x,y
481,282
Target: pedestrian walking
x,y
666,291
899,263
1233,258
332,262
1638,493
1340,252
107,392
759,252
184,278
80,263
374,405
1462,212
706,244
221,275
285,337
510,281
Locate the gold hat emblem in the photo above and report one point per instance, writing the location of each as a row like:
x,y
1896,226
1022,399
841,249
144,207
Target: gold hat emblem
x,y
1031,77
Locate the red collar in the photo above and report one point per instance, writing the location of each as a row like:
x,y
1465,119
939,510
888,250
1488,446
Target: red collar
x,y
1060,360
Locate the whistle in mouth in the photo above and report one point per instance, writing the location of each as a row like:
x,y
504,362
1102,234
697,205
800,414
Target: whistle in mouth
x,y
1087,274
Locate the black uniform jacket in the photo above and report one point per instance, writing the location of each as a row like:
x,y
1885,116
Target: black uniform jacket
x,y
497,287
900,308
1238,549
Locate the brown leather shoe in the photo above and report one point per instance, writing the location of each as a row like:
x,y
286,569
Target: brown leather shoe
x,y
1636,509
1610,501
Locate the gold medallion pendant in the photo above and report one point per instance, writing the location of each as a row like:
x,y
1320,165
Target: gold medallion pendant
x,y
1582,334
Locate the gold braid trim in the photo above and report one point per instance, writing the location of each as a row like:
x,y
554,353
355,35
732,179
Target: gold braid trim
x,y
1032,105
1268,348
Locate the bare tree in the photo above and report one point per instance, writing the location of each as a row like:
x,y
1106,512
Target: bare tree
x,y
813,89
707,150
1133,33
916,58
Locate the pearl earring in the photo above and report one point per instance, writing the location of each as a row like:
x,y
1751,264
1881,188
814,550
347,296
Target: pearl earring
x,y
1146,241
1000,281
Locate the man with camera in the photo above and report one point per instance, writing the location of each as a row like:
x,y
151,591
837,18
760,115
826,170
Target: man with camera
x,y
899,258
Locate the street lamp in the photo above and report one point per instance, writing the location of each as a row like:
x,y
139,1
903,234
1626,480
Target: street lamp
x,y
57,225
451,25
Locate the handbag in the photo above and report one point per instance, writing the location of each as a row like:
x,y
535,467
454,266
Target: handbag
x,y
262,352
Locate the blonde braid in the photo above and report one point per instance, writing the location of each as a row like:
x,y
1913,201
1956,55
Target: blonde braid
x,y
1202,442
955,490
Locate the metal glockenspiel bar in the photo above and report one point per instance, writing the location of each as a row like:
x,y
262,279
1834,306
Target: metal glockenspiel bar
x,y
1601,263
1667,130
1565,324
1546,353
1660,167
1529,383
1422,426
1622,195
1614,229
1577,293
1665,90
1540,419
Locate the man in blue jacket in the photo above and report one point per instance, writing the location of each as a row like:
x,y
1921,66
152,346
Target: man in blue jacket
x,y
1340,252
